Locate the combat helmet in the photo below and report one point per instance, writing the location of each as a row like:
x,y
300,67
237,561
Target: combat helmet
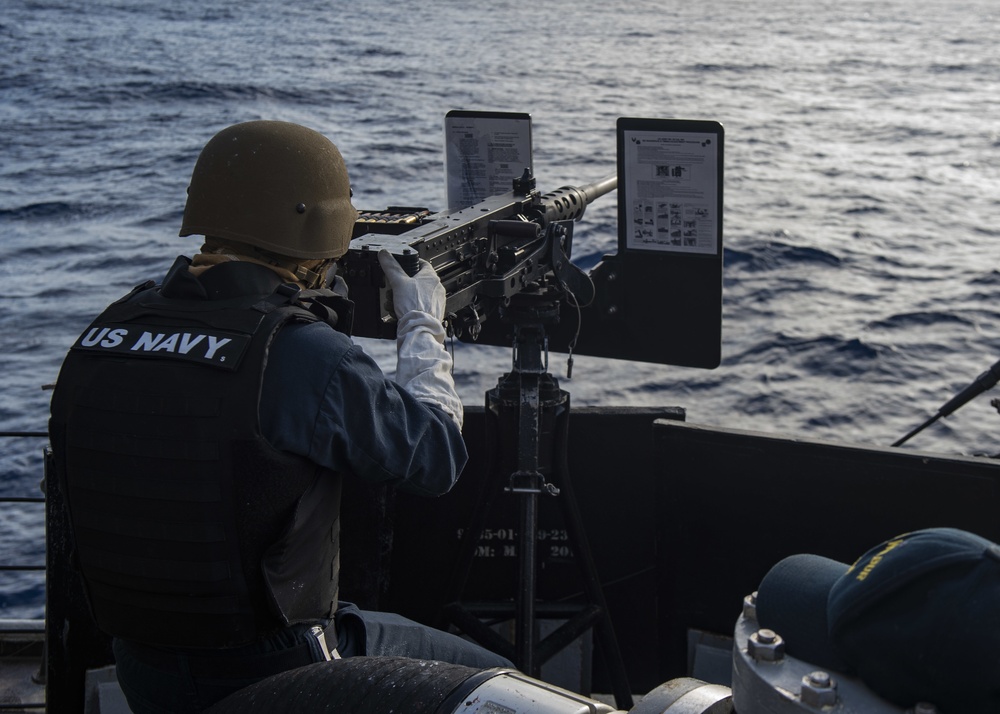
x,y
275,185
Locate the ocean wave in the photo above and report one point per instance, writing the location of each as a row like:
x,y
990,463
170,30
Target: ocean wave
x,y
381,51
962,67
729,67
864,209
170,218
13,79
768,404
848,358
764,349
776,255
831,421
193,91
829,356
990,278
59,211
393,74
920,319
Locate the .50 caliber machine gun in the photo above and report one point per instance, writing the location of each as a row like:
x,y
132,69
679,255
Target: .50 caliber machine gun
x,y
484,254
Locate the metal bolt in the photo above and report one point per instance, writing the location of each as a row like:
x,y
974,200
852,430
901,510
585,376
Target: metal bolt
x,y
766,646
818,690
820,680
750,606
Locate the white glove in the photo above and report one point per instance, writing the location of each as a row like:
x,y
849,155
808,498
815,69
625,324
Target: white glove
x,y
423,365
423,292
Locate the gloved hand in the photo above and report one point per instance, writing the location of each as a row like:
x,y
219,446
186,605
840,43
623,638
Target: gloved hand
x,y
423,292
423,365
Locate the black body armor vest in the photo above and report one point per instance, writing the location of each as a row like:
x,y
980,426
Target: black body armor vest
x,y
190,529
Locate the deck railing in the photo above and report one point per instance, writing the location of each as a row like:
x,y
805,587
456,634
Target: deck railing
x,y
22,639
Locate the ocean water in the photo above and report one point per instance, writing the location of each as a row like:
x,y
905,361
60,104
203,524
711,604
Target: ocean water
x,y
862,196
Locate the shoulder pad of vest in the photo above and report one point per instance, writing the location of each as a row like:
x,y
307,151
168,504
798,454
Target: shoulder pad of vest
x,y
140,288
323,305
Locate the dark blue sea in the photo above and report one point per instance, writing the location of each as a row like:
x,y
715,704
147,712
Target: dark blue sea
x,y
862,196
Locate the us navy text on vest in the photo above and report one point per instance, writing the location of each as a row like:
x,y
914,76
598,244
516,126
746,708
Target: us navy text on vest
x,y
201,345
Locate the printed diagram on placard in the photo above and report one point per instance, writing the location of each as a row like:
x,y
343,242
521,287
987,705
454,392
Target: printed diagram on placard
x,y
672,223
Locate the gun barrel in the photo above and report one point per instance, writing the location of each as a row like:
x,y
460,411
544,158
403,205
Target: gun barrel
x,y
593,191
569,202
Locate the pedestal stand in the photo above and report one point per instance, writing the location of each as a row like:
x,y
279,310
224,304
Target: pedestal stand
x,y
527,427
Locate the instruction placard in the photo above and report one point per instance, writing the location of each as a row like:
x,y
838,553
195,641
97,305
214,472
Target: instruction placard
x,y
672,187
484,153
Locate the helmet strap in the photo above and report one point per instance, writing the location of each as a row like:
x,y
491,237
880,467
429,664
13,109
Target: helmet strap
x,y
310,272
315,277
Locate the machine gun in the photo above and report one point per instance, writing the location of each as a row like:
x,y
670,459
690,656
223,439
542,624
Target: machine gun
x,y
657,299
484,254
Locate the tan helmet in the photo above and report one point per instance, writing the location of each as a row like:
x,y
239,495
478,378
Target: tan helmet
x,y
275,185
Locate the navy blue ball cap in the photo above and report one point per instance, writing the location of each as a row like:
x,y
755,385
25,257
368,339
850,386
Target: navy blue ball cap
x,y
791,600
917,617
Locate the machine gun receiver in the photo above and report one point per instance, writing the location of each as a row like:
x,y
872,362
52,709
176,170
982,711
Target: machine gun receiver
x,y
484,254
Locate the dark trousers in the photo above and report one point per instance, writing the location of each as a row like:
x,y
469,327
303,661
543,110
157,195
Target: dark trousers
x,y
170,681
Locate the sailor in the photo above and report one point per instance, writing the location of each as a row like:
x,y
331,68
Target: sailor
x,y
202,428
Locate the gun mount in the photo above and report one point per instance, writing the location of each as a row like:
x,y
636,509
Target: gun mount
x,y
484,254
